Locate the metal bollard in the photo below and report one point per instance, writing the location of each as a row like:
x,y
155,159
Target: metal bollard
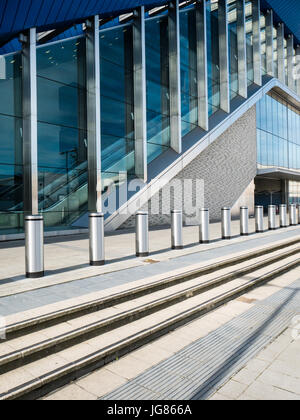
x,y
176,229
142,234
244,221
34,246
293,215
298,214
226,223
272,217
97,252
259,219
204,226
283,215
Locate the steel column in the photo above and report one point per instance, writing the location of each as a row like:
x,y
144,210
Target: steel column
x,y
290,62
29,98
242,52
224,56
93,114
280,52
256,42
140,116
269,43
174,75
201,34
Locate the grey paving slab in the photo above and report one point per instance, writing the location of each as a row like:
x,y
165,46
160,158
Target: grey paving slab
x,y
33,299
202,367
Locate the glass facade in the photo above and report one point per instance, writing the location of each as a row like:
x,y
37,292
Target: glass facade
x,y
62,119
278,134
62,136
11,146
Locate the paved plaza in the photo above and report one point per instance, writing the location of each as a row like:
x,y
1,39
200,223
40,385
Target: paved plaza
x,y
245,349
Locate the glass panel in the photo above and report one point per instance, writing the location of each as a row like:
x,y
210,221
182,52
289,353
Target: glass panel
x,y
277,137
62,62
117,104
154,150
11,145
11,85
158,99
62,137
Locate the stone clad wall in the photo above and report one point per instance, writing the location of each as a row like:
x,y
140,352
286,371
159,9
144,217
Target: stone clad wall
x,y
227,167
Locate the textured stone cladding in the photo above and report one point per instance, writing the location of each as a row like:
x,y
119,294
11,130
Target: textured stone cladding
x,y
227,167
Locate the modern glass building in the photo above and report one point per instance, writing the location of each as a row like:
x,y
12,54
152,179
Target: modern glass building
x,y
93,96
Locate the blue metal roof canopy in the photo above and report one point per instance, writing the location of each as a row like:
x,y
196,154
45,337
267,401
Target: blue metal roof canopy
x,y
45,15
18,15
288,12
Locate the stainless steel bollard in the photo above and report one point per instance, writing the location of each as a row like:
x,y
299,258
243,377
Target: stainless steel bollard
x,y
244,221
142,234
204,226
272,217
226,223
97,252
293,215
176,229
283,215
259,219
34,246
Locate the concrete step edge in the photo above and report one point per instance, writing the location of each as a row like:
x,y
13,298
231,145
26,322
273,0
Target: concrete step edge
x,y
134,314
95,305
97,359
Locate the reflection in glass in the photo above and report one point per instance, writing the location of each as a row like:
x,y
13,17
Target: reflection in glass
x,y
278,134
117,104
11,145
62,137
158,98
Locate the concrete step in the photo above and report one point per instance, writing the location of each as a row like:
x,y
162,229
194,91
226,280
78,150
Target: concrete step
x,y
51,339
135,324
22,325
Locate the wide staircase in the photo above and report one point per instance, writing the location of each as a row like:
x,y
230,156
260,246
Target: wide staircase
x,y
43,353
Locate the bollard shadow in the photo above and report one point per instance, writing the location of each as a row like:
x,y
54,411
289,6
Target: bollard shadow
x,y
222,371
